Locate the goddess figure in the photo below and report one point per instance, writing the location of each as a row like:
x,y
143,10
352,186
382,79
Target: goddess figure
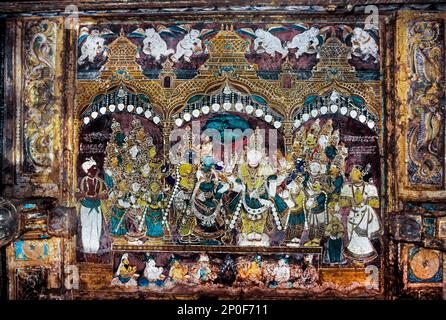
x,y
206,202
154,211
135,215
363,224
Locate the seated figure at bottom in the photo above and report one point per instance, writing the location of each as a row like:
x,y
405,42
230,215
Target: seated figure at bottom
x,y
126,274
152,273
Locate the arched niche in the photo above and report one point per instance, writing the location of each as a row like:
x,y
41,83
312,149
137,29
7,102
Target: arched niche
x,y
232,108
239,122
94,137
225,98
339,133
119,99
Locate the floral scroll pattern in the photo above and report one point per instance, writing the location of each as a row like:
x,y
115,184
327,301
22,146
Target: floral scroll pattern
x,y
39,92
426,103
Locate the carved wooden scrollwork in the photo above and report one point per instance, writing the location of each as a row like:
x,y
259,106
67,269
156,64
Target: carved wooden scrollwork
x,y
420,114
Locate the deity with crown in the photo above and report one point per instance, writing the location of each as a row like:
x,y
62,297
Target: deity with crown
x,y
206,203
258,200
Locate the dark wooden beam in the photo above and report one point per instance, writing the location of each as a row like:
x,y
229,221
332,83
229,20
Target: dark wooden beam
x,y
100,5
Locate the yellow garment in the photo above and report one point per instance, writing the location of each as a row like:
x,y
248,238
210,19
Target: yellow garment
x,y
249,226
246,177
252,273
178,272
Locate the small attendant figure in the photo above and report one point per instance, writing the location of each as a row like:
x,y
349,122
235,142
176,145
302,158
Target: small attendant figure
x,y
92,191
202,272
334,232
281,273
227,272
252,272
178,272
126,274
310,276
152,273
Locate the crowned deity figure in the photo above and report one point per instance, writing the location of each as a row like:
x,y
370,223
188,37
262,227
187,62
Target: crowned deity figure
x,y
363,224
185,184
154,206
135,214
206,203
315,203
296,220
258,199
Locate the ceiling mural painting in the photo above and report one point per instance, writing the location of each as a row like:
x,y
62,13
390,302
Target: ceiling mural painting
x,y
268,46
311,205
180,156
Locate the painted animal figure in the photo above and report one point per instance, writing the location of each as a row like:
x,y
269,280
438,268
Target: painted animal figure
x,y
93,45
364,45
268,43
154,45
191,44
305,42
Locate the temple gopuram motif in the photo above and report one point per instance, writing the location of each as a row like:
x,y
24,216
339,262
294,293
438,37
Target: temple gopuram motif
x,y
289,150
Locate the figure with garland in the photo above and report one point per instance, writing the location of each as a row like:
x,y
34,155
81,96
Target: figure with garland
x,y
363,223
207,204
258,197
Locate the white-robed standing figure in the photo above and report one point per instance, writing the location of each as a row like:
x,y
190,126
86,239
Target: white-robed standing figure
x,y
92,190
363,223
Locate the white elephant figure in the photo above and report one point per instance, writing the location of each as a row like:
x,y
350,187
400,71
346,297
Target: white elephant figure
x,y
266,42
364,45
188,46
93,46
305,42
154,45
